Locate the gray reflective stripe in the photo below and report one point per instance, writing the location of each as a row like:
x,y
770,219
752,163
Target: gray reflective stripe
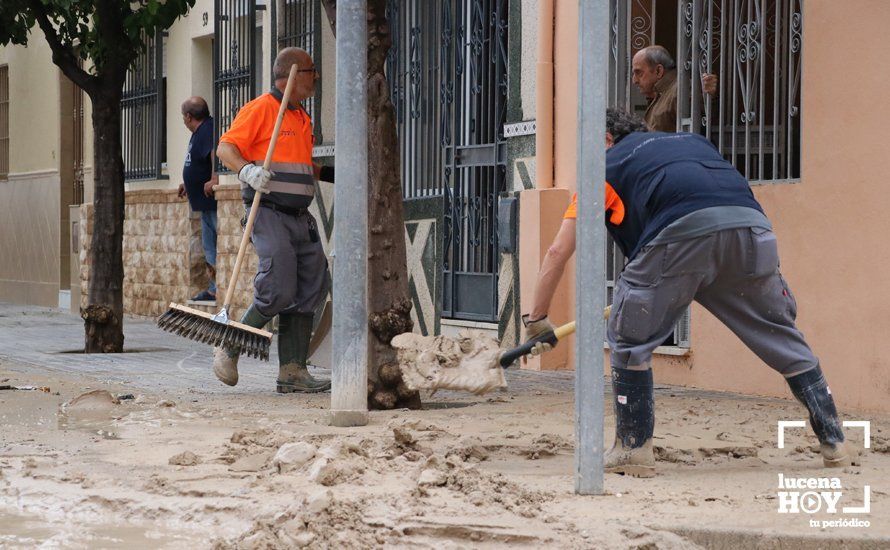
x,y
300,189
292,188
290,167
286,177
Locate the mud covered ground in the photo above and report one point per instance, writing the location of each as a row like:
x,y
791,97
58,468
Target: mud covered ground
x,y
191,468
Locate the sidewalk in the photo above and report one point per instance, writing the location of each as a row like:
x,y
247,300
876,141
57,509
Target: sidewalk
x,y
156,360
192,463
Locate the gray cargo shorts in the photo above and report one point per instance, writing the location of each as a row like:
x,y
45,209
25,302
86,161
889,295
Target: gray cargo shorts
x,y
292,269
733,273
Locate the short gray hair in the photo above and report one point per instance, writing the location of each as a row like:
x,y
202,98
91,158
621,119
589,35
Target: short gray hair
x,y
658,55
286,58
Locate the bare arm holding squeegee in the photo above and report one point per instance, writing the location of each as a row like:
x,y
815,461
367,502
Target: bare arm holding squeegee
x,y
552,268
540,333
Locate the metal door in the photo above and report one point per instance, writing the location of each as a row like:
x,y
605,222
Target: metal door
x,y
475,165
448,76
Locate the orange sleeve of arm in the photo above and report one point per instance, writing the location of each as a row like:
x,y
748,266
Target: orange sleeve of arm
x,y
572,210
244,129
613,204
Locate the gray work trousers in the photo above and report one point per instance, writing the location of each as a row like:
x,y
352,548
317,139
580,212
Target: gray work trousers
x,y
733,273
292,270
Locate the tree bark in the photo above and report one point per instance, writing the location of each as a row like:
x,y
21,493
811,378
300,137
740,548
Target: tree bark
x,y
103,315
389,301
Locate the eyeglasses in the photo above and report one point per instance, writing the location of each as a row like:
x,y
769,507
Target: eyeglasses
x,y
312,70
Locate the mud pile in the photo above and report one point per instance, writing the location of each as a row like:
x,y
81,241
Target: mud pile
x,y
468,363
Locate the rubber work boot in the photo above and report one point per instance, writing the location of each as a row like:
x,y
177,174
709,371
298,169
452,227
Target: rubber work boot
x,y
225,360
811,389
294,333
632,452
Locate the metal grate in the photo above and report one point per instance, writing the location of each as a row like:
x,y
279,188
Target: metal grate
x,y
4,122
78,128
234,61
755,47
475,165
142,113
298,23
447,71
422,35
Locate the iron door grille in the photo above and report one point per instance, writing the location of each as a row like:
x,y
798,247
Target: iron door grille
x,y
4,122
420,80
298,23
447,71
78,146
755,48
234,62
142,113
475,165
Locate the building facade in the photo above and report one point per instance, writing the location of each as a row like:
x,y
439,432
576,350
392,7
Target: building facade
x,y
485,93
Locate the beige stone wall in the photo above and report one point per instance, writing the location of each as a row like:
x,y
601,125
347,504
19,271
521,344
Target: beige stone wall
x,y
163,257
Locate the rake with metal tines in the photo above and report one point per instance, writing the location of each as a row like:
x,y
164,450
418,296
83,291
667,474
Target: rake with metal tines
x,y
218,330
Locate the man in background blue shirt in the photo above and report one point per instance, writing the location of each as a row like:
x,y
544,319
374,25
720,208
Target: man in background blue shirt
x,y
199,177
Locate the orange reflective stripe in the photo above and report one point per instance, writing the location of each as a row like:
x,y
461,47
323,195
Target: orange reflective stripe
x,y
572,210
613,204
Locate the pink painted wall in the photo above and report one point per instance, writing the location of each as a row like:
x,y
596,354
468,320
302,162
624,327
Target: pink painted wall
x,y
832,225
565,128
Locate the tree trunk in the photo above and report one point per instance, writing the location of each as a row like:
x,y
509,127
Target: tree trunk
x,y
103,314
389,301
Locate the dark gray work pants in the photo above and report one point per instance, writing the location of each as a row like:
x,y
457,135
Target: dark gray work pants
x,y
733,273
292,271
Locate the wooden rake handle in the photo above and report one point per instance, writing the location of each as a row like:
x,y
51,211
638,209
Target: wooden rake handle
x,y
254,207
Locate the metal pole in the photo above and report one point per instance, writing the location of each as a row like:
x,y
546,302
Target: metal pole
x,y
349,376
593,70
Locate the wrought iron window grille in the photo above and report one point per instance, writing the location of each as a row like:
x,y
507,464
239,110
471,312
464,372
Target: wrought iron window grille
x,y
447,71
298,23
143,113
234,62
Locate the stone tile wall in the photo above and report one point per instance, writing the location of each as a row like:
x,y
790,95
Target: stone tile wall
x,y
163,256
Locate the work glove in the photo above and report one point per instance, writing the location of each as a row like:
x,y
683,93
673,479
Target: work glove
x,y
256,177
534,329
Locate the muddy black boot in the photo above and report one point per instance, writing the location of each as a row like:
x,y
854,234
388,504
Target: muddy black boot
x,y
634,402
225,360
811,389
294,333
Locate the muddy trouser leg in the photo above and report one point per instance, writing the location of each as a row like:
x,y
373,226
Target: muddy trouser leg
x,y
751,297
296,319
652,293
275,285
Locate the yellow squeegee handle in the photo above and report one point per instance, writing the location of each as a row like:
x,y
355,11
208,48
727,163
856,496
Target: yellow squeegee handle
x,y
550,337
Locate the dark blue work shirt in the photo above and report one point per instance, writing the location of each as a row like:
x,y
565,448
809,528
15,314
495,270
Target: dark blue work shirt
x,y
661,177
197,168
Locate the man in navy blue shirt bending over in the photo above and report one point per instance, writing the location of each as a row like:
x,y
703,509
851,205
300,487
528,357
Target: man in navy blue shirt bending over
x,y
199,177
691,229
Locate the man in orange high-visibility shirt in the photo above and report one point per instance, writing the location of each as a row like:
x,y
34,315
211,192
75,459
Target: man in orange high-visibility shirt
x,y
292,272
